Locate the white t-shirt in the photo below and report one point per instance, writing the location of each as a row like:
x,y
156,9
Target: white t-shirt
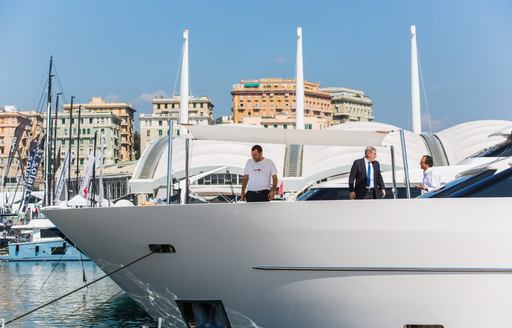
x,y
260,174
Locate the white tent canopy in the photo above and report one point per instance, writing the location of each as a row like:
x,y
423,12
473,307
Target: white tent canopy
x,y
288,136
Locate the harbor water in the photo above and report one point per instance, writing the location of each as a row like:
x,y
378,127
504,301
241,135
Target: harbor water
x,y
27,285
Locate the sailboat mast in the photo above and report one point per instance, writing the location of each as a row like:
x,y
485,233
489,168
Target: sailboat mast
x,y
55,164
47,180
100,163
69,148
93,185
78,149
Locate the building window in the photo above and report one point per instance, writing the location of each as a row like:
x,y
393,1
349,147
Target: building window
x,y
157,106
159,123
63,121
160,132
285,126
201,105
148,133
195,105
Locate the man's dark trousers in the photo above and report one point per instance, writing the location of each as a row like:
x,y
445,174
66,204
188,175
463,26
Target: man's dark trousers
x,y
257,196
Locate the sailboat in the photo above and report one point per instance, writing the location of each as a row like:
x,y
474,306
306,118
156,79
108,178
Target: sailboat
x,y
39,239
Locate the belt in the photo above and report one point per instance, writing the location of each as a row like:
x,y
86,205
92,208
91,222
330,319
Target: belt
x,y
258,191
369,188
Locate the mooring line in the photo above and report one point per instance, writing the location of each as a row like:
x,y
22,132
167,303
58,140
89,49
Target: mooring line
x,y
77,289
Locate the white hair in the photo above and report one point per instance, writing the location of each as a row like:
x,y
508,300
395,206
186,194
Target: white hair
x,y
368,150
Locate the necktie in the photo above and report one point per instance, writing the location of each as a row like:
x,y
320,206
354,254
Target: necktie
x,y
369,177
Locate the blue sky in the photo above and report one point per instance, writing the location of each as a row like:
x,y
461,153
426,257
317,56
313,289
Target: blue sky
x,y
130,50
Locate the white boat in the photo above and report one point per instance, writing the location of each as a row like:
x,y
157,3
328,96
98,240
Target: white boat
x,y
376,263
39,240
429,263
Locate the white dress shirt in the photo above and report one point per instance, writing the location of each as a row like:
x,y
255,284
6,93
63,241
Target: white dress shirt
x,y
431,180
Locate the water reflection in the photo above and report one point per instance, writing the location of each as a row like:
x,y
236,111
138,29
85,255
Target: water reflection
x,y
101,305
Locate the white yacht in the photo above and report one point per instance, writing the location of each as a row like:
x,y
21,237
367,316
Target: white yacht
x,y
39,240
439,262
378,263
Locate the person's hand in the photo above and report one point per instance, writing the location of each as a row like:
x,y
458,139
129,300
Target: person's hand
x,y
271,195
418,186
242,195
383,193
352,195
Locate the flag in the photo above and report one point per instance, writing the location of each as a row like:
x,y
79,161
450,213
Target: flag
x,y
84,186
280,191
36,151
18,134
57,163
62,178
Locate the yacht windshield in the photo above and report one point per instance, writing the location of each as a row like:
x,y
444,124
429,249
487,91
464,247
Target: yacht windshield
x,y
324,194
500,150
498,185
457,184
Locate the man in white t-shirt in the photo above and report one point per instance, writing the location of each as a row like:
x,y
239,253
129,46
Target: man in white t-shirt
x,y
257,175
431,179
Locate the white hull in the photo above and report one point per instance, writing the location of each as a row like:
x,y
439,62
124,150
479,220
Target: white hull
x,y
333,264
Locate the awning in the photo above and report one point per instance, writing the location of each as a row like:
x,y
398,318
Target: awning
x,y
288,136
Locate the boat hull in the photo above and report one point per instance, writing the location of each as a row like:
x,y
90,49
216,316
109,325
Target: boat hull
x,y
52,250
374,263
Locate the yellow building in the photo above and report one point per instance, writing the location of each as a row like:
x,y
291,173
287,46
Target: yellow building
x,y
155,125
349,105
274,98
120,109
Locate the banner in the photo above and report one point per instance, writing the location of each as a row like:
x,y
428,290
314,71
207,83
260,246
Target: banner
x,y
18,134
63,176
84,186
57,162
36,151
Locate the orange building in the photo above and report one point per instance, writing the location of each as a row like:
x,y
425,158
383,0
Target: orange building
x,y
10,118
275,98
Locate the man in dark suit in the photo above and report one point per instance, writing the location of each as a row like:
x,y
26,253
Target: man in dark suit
x,y
365,180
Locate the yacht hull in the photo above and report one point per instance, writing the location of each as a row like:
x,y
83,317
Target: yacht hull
x,y
374,263
49,250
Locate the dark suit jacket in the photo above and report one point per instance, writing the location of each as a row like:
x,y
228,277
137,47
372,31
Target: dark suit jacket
x,y
357,179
